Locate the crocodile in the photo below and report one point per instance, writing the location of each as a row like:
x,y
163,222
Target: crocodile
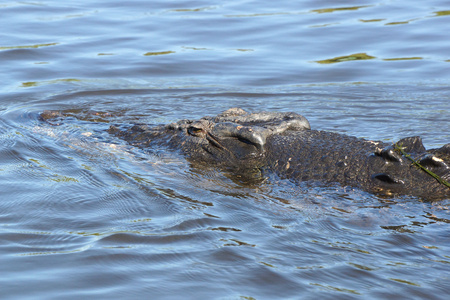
x,y
284,143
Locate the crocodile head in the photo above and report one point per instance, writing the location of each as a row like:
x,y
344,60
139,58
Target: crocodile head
x,y
234,138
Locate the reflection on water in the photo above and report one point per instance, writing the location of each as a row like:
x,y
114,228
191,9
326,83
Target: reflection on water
x,y
331,10
442,13
357,56
38,83
28,46
90,204
83,214
248,45
402,58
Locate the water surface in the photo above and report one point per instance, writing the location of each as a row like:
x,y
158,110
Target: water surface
x,y
85,215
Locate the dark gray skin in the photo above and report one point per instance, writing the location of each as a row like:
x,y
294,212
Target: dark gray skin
x,y
284,143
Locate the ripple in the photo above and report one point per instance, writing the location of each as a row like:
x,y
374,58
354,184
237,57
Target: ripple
x,y
83,214
47,82
338,9
159,53
351,57
28,46
442,13
29,243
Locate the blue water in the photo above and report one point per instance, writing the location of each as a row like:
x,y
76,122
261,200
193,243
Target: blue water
x,y
85,215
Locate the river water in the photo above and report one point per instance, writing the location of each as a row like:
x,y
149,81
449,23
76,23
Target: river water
x,y
86,216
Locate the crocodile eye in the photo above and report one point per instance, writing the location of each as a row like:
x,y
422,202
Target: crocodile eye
x,y
386,178
195,131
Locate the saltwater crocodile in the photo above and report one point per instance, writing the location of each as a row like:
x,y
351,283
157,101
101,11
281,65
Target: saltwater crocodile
x,y
285,144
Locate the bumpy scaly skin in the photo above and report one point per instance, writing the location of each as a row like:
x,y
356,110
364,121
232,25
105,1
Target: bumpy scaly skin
x,y
372,166
284,143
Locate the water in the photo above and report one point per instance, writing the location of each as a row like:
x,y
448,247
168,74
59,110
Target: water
x,y
84,215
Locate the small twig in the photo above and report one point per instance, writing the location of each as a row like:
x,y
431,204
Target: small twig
x,y
399,148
